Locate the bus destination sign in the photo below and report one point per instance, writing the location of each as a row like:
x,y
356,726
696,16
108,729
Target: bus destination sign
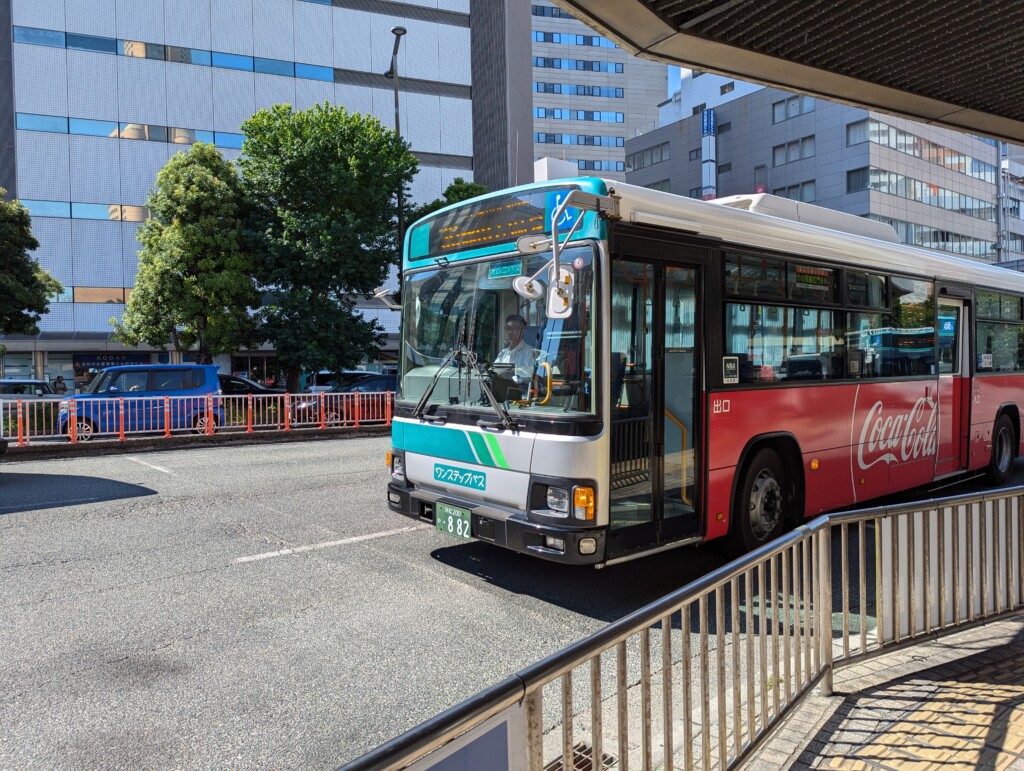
x,y
497,220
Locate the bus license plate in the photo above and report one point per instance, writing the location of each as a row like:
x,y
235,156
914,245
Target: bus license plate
x,y
452,520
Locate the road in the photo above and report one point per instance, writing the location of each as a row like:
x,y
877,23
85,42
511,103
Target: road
x,y
259,605
153,615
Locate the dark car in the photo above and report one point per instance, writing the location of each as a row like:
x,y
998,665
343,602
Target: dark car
x,y
236,385
339,407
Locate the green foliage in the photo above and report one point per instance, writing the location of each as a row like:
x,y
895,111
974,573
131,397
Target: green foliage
x,y
323,186
25,288
458,190
194,287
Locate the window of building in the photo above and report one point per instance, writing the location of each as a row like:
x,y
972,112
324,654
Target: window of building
x,y
39,37
725,128
791,108
700,108
274,67
644,158
695,154
911,189
662,184
98,294
29,122
802,191
727,88
856,133
724,167
793,151
695,192
103,45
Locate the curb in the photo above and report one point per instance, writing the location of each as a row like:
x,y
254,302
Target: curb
x,y
60,448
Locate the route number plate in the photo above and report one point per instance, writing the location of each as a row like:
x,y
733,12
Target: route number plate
x,y
452,520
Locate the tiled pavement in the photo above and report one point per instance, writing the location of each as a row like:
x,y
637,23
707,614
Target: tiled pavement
x,y
953,703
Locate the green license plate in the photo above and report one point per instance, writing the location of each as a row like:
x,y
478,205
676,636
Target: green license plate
x,y
452,520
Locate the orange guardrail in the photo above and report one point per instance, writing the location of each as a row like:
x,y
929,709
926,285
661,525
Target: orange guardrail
x,y
124,417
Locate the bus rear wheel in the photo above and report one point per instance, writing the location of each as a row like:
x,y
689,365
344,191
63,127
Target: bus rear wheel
x,y
1004,450
759,510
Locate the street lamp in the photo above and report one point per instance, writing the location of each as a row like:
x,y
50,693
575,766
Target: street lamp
x,y
393,74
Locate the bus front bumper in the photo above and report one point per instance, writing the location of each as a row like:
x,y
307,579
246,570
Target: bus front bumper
x,y
506,528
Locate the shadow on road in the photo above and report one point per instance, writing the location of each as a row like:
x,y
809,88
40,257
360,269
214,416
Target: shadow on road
x,y
32,492
606,594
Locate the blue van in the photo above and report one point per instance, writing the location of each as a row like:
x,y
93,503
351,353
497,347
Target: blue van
x,y
143,387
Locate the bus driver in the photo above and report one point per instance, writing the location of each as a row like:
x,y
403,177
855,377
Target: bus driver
x,y
516,352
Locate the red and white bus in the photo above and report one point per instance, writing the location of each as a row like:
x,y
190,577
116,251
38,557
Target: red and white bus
x,y
695,370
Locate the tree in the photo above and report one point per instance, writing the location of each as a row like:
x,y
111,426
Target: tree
x,y
194,288
323,186
458,190
25,288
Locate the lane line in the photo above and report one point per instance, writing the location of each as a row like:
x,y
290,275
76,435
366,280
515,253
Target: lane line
x,y
49,504
326,544
142,462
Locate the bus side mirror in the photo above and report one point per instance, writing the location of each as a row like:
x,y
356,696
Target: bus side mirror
x,y
560,295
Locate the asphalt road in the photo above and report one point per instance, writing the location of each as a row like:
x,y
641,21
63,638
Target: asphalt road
x,y
259,605
150,618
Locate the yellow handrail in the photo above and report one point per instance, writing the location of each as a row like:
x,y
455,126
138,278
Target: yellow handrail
x,y
686,464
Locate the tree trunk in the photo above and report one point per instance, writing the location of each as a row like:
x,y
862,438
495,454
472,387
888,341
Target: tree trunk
x,y
292,383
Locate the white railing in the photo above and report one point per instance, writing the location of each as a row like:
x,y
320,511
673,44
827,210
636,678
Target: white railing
x,y
699,678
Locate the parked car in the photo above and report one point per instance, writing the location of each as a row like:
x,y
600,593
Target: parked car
x,y
97,409
25,388
236,385
325,380
335,403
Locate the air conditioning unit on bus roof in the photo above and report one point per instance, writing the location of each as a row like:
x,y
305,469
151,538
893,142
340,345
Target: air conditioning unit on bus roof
x,y
797,211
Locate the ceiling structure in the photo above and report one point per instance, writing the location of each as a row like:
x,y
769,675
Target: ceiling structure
x,y
955,64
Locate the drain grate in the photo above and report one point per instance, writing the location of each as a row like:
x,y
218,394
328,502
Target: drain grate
x,y
582,760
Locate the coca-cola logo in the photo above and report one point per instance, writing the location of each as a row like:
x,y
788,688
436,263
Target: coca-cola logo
x,y
895,437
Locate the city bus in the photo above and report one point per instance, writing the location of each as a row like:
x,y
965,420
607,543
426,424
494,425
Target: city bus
x,y
693,370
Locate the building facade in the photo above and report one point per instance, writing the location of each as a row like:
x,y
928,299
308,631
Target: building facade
x,y
97,95
589,96
936,186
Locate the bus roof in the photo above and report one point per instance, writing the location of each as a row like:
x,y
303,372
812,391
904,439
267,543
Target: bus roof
x,y
743,227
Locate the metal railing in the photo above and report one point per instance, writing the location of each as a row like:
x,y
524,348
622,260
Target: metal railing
x,y
79,419
698,679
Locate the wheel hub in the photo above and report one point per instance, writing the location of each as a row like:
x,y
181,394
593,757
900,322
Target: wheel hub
x,y
765,504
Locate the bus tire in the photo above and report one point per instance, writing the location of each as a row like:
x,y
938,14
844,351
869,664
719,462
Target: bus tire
x,y
1004,450
760,509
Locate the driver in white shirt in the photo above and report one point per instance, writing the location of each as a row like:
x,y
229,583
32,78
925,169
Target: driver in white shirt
x,y
516,351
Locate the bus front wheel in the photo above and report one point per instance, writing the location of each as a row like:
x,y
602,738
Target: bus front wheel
x,y
760,502
1004,450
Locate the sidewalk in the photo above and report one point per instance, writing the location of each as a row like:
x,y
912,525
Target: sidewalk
x,y
954,703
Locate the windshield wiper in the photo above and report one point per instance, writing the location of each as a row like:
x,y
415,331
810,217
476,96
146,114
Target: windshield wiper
x,y
417,411
473,364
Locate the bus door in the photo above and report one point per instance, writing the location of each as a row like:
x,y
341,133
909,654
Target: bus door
x,y
655,381
953,388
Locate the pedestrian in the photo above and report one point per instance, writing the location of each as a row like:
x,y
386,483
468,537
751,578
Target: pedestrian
x,y
59,386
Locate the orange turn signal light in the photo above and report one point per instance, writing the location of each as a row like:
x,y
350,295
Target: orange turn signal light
x,y
583,502
387,459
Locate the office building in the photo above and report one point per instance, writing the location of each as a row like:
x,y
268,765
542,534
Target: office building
x,y
589,95
97,95
937,187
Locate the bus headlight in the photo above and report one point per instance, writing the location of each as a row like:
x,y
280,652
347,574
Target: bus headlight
x,y
583,503
558,499
398,468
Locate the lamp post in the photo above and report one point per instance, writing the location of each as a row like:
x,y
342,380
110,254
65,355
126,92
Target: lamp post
x,y
393,74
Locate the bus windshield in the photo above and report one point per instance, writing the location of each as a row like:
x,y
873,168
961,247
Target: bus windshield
x,y
463,324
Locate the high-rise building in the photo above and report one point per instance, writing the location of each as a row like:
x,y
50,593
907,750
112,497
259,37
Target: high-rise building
x,y
936,186
97,95
589,95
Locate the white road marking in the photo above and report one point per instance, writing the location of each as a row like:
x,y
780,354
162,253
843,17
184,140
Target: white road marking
x,y
49,504
158,468
326,544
